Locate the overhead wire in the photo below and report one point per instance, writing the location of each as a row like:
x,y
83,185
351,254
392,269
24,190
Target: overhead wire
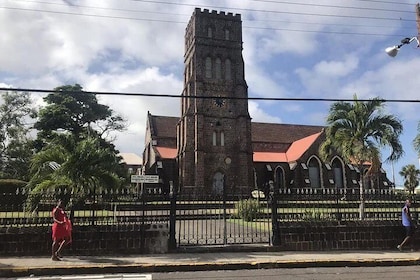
x,y
270,11
245,26
156,95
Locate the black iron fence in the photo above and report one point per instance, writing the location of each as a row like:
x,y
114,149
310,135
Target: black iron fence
x,y
110,208
231,218
318,205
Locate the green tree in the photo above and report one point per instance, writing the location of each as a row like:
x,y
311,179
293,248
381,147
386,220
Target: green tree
x,y
16,111
79,167
358,131
70,109
411,177
416,141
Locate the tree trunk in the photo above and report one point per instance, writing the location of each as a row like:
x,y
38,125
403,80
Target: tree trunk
x,y
362,194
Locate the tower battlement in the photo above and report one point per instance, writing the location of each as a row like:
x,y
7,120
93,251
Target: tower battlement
x,y
227,16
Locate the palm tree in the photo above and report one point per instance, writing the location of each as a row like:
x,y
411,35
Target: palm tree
x,y
416,142
411,177
357,131
80,167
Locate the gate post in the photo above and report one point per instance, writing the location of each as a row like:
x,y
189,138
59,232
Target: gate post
x,y
274,195
172,216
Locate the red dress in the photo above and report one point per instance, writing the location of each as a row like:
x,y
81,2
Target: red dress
x,y
59,231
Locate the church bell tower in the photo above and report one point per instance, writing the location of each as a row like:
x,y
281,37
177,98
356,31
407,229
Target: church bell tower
x,y
214,131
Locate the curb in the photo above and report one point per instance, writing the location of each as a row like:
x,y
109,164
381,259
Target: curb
x,y
159,268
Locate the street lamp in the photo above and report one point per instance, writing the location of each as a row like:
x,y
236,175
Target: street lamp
x,y
393,51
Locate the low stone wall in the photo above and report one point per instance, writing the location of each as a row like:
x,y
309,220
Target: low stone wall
x,y
153,238
347,236
87,240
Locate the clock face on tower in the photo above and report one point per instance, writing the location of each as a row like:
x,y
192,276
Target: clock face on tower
x,y
219,102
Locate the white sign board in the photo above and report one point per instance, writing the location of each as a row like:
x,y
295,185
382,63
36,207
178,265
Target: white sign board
x,y
153,179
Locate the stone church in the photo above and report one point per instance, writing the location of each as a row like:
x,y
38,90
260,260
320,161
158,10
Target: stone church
x,y
214,146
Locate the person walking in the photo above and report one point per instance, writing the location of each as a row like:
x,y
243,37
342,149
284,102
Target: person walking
x,y
407,223
61,231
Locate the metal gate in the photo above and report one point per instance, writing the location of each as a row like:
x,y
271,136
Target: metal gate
x,y
222,219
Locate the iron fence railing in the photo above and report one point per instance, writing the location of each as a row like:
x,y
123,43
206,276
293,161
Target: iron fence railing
x,y
229,218
204,219
111,208
296,205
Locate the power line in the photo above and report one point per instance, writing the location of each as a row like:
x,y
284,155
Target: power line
x,y
216,7
264,1
337,6
270,11
293,22
155,95
245,27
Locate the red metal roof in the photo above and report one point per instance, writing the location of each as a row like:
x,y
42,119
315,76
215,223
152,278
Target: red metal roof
x,y
296,150
299,147
269,157
166,153
271,142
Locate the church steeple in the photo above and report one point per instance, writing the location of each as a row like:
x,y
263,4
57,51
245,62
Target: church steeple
x,y
214,133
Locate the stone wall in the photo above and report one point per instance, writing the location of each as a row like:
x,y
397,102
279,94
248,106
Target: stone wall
x,y
87,240
350,236
153,239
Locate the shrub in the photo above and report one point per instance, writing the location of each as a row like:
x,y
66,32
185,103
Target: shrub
x,y
315,216
247,209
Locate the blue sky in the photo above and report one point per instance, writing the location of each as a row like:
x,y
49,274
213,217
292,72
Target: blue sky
x,y
299,49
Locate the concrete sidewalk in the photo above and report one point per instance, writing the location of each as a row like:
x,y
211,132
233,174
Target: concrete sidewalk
x,y
39,266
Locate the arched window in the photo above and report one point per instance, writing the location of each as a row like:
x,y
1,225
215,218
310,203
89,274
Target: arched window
x,y
280,179
222,138
209,32
227,34
214,138
314,173
218,68
218,183
337,168
228,70
208,67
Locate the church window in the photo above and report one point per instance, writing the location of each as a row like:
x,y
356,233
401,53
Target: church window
x,y
222,138
314,173
280,179
218,183
209,32
208,67
214,138
218,68
337,168
227,34
228,70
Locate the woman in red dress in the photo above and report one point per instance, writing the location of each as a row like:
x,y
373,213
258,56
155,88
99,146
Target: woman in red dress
x,y
61,230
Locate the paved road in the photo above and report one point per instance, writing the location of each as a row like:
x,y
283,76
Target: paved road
x,y
323,273
313,273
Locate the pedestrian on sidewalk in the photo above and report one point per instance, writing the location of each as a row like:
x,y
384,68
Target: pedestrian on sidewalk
x,y
407,223
61,231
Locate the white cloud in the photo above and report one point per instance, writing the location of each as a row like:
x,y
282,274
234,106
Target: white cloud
x,y
259,115
326,77
290,50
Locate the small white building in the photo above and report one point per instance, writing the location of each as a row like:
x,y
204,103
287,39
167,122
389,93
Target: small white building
x,y
133,162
